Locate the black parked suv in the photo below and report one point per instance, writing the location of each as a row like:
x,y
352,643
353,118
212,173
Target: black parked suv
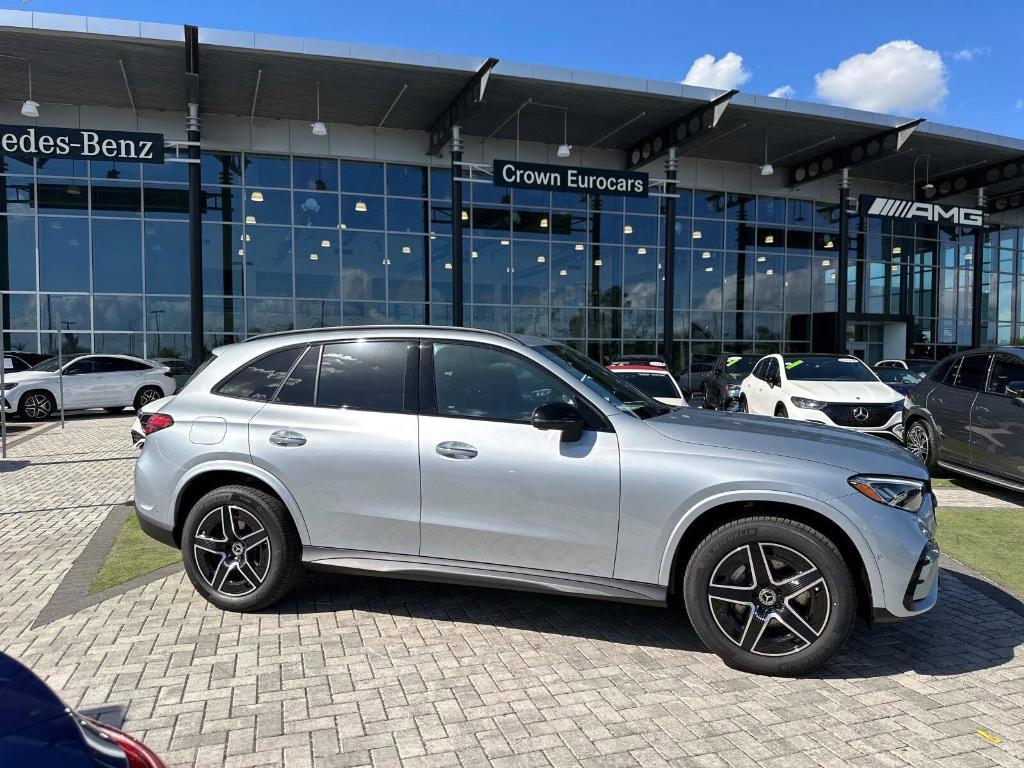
x,y
721,388
968,416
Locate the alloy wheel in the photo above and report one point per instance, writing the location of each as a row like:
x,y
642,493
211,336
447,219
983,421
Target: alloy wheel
x,y
37,406
147,396
232,550
769,599
917,441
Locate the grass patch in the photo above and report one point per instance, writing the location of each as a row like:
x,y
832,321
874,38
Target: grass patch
x,y
988,540
944,482
133,554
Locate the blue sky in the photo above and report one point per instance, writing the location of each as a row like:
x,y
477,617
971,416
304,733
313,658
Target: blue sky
x,y
960,66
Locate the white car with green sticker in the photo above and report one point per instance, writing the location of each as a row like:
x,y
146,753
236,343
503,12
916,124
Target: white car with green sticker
x,y
836,390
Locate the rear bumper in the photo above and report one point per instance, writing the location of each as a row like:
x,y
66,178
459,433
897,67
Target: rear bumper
x,y
155,529
155,480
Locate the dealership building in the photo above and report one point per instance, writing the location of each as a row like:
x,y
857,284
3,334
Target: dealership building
x,y
165,189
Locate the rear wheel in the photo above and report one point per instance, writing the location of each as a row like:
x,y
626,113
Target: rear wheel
x,y
36,406
239,548
146,396
705,395
921,441
770,595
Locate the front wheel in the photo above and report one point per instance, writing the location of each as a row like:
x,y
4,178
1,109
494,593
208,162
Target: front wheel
x,y
770,595
36,406
239,548
781,412
743,407
920,440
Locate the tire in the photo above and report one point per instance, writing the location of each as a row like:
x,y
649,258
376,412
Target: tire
x,y
114,409
781,412
37,405
252,565
705,400
743,407
147,395
920,439
820,605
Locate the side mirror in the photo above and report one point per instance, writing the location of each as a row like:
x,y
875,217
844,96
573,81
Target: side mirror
x,y
559,417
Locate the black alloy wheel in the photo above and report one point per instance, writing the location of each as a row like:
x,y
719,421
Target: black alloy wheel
x,y
146,396
240,549
770,595
920,440
781,412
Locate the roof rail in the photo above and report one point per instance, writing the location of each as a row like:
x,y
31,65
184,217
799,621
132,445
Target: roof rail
x,y
393,327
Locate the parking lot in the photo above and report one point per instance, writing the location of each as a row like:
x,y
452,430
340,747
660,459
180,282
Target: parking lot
x,y
354,671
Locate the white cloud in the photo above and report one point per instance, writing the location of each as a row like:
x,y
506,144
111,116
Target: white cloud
x,y
783,92
1019,104
899,76
723,74
969,54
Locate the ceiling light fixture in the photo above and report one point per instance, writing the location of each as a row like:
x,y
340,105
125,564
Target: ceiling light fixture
x,y
406,249
762,259
563,272
447,265
628,229
769,272
769,239
314,257
325,243
543,223
250,219
504,242
565,148
696,234
826,262
360,206
465,216
579,246
319,129
897,251
706,255
473,254
767,169
641,251
709,269
598,263
256,196
829,244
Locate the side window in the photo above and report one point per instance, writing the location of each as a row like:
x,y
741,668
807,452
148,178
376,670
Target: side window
x,y
758,372
943,373
368,376
1007,371
88,365
118,365
771,370
260,379
485,383
300,386
971,374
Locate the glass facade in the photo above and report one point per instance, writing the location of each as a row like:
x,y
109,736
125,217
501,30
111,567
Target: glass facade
x,y
95,256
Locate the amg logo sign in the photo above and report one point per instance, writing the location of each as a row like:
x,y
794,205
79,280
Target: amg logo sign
x,y
908,209
81,144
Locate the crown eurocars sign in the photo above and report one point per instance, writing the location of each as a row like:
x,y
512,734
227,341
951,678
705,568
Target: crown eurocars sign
x,y
563,178
893,208
81,144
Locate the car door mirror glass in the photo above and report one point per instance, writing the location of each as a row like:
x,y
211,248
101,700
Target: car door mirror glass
x,y
559,417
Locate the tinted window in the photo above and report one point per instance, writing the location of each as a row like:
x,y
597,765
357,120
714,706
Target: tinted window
x,y
771,370
117,365
88,365
737,367
946,371
484,383
300,387
260,379
1006,370
758,372
366,375
972,372
807,368
654,384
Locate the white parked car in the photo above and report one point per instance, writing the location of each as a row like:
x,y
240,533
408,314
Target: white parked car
x,y
112,382
837,390
654,380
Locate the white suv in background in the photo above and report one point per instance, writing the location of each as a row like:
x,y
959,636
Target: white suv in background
x,y
837,390
112,382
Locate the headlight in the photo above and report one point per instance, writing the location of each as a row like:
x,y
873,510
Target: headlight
x,y
803,402
899,492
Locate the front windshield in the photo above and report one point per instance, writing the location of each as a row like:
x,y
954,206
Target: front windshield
x,y
51,365
808,368
737,367
653,384
602,382
897,376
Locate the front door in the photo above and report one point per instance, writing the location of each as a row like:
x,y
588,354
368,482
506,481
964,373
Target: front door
x,y
345,444
951,404
84,383
997,418
495,489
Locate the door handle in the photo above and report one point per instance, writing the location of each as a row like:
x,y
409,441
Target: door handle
x,y
286,438
456,450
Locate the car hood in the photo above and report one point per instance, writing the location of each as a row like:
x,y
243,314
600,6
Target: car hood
x,y
23,376
842,391
837,447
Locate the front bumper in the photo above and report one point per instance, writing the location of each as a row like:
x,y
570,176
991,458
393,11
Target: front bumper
x,y
893,426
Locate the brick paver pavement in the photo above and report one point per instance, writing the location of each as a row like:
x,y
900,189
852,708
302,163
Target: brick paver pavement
x,y
354,671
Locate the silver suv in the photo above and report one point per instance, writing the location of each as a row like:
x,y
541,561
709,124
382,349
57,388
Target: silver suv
x,y
469,456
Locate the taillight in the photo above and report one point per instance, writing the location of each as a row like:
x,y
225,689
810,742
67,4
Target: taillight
x,y
154,422
136,753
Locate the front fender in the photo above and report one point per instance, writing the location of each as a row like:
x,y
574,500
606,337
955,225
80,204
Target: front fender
x,y
227,465
692,514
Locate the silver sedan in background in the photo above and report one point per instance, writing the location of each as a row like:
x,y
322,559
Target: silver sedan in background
x,y
472,456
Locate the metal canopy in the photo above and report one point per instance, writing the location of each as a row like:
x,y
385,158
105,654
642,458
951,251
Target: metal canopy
x,y
863,151
358,85
989,176
469,99
683,130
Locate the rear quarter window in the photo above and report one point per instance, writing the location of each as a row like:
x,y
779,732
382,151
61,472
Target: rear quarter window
x,y
260,379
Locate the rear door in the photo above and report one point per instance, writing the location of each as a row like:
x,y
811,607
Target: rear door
x,y
997,421
952,402
84,383
123,379
342,435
